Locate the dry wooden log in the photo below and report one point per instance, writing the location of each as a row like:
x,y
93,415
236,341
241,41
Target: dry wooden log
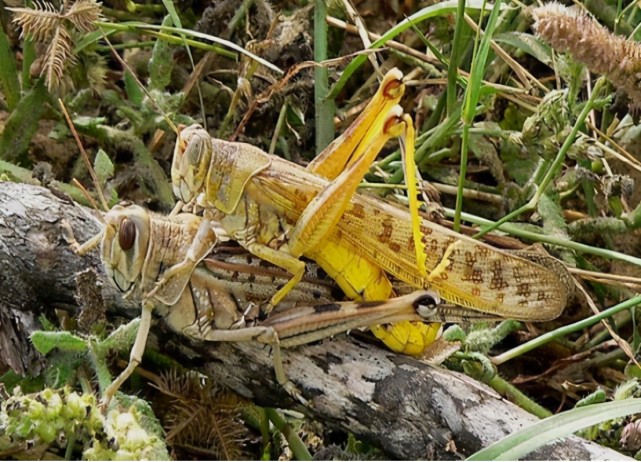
x,y
409,409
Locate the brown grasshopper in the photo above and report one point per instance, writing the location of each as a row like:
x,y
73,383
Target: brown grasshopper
x,y
136,246
280,211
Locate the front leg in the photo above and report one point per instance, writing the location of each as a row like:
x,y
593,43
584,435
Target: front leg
x,y
282,259
135,357
175,279
323,213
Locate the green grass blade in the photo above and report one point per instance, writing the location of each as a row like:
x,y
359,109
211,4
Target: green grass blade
x,y
457,49
178,31
565,330
22,124
323,106
472,96
173,14
8,73
520,444
432,11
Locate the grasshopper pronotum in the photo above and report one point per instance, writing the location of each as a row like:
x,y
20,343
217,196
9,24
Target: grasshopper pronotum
x,y
280,211
211,303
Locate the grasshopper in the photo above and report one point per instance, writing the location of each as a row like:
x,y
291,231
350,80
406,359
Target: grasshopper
x,y
279,211
136,246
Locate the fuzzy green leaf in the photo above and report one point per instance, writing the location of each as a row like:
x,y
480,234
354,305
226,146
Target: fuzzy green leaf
x,y
122,338
161,62
103,166
44,342
22,124
134,93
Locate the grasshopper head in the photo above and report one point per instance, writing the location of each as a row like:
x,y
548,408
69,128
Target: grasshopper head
x,y
191,160
124,245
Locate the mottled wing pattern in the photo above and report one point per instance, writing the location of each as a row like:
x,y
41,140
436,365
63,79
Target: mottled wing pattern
x,y
464,271
475,275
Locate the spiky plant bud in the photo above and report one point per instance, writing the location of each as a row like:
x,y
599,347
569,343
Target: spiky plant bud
x,y
574,31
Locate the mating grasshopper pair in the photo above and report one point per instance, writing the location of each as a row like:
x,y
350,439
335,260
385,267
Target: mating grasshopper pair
x,y
215,302
280,211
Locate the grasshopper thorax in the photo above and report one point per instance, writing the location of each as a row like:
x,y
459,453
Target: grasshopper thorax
x,y
189,166
125,244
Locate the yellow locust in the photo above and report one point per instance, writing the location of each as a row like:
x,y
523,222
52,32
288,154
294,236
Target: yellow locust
x,y
281,211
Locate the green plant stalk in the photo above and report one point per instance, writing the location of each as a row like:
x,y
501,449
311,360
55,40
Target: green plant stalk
x,y
279,126
479,367
506,389
150,28
565,330
8,73
601,336
438,9
472,95
295,443
239,15
173,14
143,9
323,105
28,57
263,422
141,44
425,141
193,43
457,46
97,357
517,445
556,165
566,243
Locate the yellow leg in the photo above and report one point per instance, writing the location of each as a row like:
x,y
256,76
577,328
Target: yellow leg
x,y
282,259
409,167
358,277
342,152
323,213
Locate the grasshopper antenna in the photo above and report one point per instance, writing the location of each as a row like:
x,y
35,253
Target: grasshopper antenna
x,y
85,193
85,158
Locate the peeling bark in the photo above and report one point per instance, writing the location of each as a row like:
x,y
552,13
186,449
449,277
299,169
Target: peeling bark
x,y
408,408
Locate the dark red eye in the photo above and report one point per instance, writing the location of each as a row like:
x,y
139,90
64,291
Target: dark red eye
x,y
127,234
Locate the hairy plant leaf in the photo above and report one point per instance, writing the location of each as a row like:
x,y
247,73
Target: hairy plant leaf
x,y
161,62
134,93
44,342
103,166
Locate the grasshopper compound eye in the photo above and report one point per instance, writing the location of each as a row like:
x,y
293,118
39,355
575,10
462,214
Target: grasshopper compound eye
x,y
126,234
426,305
